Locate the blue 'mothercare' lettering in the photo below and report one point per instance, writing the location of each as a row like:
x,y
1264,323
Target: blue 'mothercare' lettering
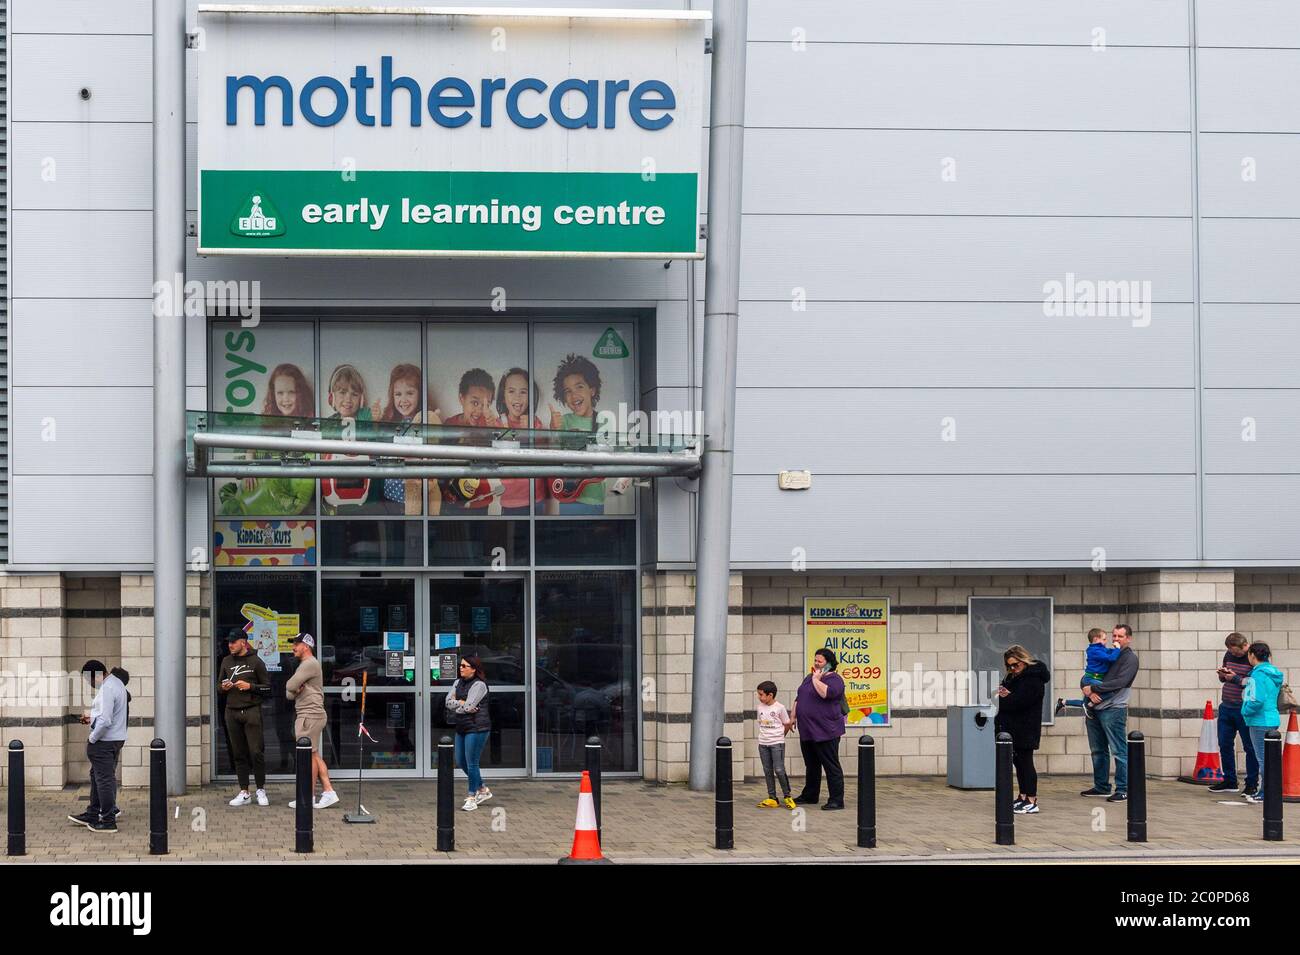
x,y
451,101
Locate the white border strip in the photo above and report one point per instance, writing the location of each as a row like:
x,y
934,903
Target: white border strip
x,y
495,12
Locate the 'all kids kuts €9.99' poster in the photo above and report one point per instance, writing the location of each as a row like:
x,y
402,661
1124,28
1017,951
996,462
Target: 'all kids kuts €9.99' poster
x,y
856,629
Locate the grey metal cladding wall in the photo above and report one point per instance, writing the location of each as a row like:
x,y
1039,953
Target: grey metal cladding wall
x,y
1249,118
915,173
81,226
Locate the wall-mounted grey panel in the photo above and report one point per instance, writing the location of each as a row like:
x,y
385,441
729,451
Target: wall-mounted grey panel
x,y
86,342
197,540
958,344
967,87
1249,175
936,518
49,71
1250,346
1270,23
1252,431
846,430
1154,22
65,254
1253,517
191,167
82,519
82,166
81,16
1250,260
1248,90
411,281
968,172
69,430
957,258
196,351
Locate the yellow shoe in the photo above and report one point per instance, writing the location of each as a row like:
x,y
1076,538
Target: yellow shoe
x,y
768,803
789,803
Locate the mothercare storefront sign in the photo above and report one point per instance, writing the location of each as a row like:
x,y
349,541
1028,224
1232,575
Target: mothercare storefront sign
x,y
432,132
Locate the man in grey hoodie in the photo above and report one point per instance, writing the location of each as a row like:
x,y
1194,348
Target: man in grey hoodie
x,y
107,720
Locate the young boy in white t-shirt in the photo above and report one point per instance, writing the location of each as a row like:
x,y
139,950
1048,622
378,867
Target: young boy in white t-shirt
x,y
773,723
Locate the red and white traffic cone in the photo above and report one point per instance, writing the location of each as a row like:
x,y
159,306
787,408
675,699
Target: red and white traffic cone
x,y
1208,770
586,840
1291,762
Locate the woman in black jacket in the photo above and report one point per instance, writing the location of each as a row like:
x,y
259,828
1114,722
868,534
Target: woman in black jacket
x,y
1020,713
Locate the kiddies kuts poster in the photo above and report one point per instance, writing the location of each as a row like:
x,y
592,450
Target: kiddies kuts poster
x,y
856,629
264,370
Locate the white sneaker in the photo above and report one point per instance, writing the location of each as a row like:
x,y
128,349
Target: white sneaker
x,y
293,804
261,798
483,795
470,804
243,799
326,800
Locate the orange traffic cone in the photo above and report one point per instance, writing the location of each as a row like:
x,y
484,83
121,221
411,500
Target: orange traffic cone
x,y
586,840
1291,763
1208,769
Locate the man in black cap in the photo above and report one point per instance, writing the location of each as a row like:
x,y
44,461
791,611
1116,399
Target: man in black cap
x,y
244,681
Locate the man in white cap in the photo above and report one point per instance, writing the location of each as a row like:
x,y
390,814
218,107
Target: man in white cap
x,y
306,689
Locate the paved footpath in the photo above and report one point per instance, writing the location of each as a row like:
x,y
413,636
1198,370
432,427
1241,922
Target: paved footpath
x,y
920,819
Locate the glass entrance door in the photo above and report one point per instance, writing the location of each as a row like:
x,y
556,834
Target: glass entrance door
x,y
484,616
369,627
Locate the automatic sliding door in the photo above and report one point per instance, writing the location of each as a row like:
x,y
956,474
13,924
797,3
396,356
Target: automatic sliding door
x,y
368,628
486,617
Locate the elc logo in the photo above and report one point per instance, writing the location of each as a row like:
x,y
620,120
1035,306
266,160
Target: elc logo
x,y
257,219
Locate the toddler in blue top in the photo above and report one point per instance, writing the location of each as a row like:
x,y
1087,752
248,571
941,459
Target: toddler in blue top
x,y
1099,659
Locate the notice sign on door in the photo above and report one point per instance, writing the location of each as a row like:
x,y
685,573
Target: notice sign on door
x,y
856,630
413,133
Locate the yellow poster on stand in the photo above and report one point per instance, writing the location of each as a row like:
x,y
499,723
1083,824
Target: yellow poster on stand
x,y
856,630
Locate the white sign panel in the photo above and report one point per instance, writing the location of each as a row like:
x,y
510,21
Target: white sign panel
x,y
450,131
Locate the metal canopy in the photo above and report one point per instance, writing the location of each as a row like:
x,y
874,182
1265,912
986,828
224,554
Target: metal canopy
x,y
227,445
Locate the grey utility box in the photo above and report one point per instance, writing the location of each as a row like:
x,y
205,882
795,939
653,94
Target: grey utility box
x,y
971,751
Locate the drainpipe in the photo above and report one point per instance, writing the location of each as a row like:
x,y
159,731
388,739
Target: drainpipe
x,y
721,309
169,385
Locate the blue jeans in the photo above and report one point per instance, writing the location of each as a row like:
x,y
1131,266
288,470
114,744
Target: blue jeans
x,y
1232,724
469,749
1107,737
1257,740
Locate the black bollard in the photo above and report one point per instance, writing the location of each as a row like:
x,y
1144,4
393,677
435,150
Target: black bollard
x,y
593,770
303,835
1137,787
1002,815
866,792
1272,786
724,836
157,798
446,794
17,800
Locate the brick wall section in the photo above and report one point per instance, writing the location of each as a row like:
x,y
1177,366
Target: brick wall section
x,y
137,655
1179,618
668,626
31,640
94,632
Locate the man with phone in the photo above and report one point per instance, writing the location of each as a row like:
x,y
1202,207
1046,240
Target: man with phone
x,y
244,681
1234,669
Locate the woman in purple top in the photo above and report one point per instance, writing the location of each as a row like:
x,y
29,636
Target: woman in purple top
x,y
819,714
